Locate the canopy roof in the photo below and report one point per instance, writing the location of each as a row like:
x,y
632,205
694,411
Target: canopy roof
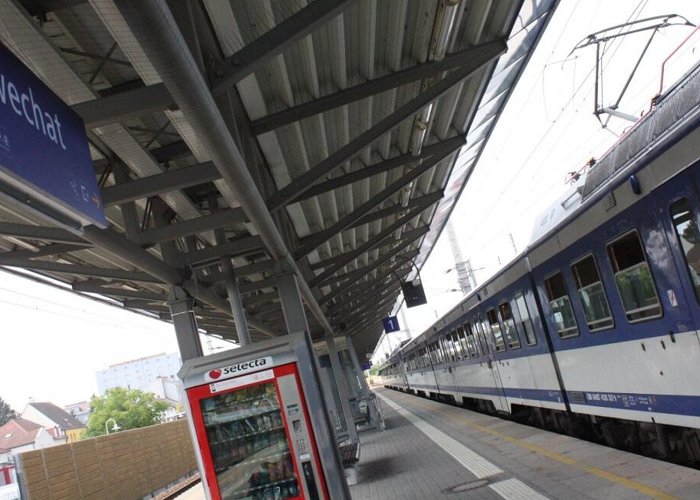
x,y
330,139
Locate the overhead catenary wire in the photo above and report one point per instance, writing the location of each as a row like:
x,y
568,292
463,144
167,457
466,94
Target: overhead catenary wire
x,y
535,149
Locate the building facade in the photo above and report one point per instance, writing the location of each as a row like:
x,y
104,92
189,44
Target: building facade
x,y
139,373
58,422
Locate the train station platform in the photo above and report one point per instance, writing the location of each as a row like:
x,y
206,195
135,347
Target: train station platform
x,y
431,450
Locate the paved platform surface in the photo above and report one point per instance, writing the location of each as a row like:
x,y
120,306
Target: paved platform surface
x,y
431,450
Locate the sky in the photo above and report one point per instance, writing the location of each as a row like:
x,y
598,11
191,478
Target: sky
x,y
52,341
548,130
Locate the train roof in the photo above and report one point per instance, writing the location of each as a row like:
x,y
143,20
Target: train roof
x,y
673,112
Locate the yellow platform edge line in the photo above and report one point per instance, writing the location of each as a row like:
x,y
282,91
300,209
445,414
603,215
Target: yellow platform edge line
x,y
645,489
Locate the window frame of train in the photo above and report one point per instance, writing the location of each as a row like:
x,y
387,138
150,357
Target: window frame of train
x,y
691,218
437,356
525,320
462,339
588,282
472,345
457,345
509,325
623,274
560,304
447,346
480,335
496,329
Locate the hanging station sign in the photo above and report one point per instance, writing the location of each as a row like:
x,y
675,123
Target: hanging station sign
x,y
45,162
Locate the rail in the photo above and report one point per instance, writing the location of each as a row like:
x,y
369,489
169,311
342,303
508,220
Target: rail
x,y
179,488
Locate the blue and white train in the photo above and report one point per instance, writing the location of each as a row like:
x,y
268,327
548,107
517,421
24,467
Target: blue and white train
x,y
593,330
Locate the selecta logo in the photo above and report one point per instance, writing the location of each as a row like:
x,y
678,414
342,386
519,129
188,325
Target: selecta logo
x,y
239,368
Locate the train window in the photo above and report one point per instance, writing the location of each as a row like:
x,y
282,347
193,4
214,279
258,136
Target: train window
x,y
689,238
471,341
457,344
633,278
462,340
561,306
496,333
452,337
437,354
448,348
525,322
509,326
482,330
593,299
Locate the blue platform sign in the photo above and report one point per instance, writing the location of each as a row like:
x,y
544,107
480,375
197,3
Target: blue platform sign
x,y
44,154
391,324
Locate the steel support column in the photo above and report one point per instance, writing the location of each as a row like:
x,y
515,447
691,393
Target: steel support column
x,y
343,393
182,314
234,296
356,363
292,306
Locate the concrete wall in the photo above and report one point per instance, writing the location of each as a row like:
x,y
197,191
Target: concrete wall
x,y
123,465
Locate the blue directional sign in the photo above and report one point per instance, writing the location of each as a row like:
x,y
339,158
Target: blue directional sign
x,y
44,157
391,324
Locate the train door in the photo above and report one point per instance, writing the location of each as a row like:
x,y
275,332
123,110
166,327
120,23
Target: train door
x,y
483,330
679,210
444,372
455,353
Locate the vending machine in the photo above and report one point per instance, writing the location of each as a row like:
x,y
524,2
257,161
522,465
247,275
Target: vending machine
x,y
259,423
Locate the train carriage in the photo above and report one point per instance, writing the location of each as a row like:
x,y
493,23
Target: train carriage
x,y
595,325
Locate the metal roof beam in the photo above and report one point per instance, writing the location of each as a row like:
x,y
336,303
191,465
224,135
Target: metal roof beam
x,y
38,7
311,242
231,249
360,290
379,168
52,234
153,185
367,298
77,270
471,55
125,249
377,301
171,152
46,250
369,244
124,105
190,227
372,323
355,276
154,27
273,42
164,311
257,285
370,317
407,238
118,292
261,298
301,184
395,209
254,268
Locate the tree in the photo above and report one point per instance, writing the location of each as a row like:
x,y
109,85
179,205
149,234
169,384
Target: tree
x,y
130,409
6,413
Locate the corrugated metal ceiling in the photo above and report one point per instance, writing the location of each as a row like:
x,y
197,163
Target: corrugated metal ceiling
x,y
351,117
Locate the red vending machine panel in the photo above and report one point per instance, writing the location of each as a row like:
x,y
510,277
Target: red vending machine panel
x,y
253,429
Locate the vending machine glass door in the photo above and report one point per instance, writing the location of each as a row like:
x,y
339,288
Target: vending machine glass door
x,y
248,445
